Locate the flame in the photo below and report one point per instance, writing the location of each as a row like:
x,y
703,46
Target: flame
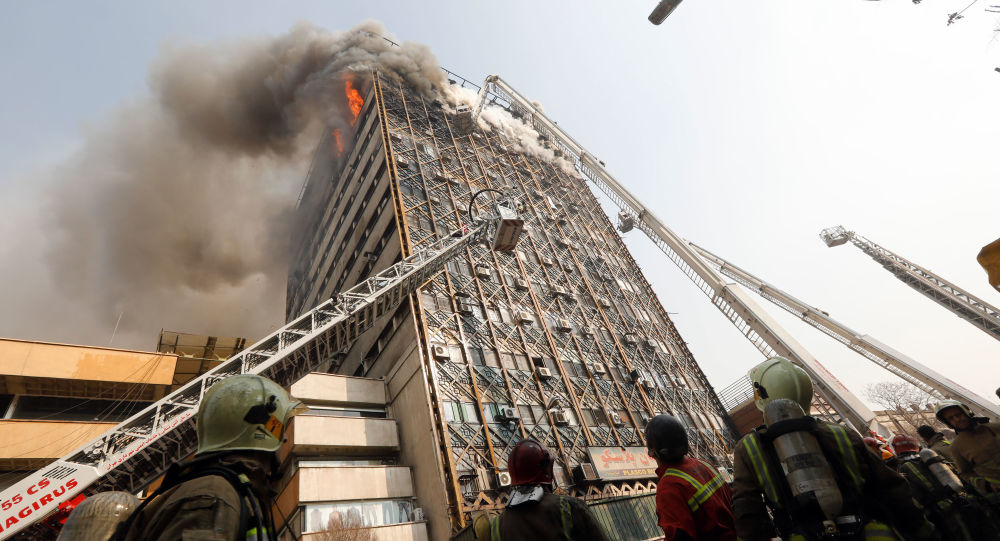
x,y
340,145
354,99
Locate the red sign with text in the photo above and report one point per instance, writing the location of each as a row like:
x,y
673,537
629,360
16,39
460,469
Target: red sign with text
x,y
622,463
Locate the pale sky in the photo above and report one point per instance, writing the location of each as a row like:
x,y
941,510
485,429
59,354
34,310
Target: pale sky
x,y
746,126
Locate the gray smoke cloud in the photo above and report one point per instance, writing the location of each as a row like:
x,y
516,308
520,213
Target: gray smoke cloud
x,y
176,211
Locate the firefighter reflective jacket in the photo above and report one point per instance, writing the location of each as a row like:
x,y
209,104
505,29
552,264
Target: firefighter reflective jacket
x,y
554,518
691,496
878,493
212,500
977,456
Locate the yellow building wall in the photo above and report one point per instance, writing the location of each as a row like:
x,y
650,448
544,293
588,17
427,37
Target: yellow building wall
x,y
43,360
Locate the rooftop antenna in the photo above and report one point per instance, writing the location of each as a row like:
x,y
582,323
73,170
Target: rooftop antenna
x,y
116,328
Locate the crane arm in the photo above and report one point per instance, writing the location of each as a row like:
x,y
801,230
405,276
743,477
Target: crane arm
x,y
962,303
140,449
752,320
919,375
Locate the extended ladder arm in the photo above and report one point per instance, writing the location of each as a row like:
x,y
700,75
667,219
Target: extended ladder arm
x,y
918,375
752,320
139,450
964,304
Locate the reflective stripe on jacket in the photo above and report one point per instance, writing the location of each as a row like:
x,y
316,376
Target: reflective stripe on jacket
x,y
702,492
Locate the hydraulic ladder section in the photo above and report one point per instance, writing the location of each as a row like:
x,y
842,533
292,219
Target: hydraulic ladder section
x,y
140,449
964,304
918,375
737,305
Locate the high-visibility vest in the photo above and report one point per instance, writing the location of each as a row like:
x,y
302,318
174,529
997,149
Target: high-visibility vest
x,y
565,517
702,492
768,480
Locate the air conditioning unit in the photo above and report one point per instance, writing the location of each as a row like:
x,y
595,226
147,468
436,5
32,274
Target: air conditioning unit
x,y
465,309
525,318
647,384
483,271
434,199
402,162
454,180
652,343
563,325
521,284
598,368
615,419
503,478
585,472
635,374
544,373
630,339
507,413
560,418
440,352
559,291
395,138
547,261
605,303
586,331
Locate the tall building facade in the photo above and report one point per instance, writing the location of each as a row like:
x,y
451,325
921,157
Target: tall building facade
x,y
562,340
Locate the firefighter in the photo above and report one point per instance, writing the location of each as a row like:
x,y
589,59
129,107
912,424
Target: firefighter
x,y
533,512
227,491
693,501
817,479
976,447
935,440
957,513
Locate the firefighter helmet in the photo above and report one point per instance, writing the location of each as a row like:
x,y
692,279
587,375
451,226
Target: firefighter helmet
x,y
246,412
778,377
97,517
904,443
948,404
530,463
667,438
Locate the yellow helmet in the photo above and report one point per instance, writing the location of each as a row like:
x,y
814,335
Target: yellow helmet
x,y
244,413
778,377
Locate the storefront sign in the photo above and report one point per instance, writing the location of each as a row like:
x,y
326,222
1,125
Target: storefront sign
x,y
622,463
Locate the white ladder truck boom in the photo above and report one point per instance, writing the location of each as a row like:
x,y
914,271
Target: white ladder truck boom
x,y
964,304
911,371
737,305
140,449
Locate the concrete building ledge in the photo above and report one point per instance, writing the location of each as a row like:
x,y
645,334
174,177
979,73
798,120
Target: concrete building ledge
x,y
312,435
337,390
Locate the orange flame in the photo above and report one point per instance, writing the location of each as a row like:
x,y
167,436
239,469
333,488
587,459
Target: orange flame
x,y
340,145
354,99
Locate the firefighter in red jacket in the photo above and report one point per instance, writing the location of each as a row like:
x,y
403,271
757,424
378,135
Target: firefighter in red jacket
x,y
693,501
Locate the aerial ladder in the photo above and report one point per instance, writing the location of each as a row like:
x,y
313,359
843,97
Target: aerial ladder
x,y
964,304
140,449
735,303
920,376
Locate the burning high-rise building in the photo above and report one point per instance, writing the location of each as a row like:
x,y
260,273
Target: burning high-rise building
x,y
562,340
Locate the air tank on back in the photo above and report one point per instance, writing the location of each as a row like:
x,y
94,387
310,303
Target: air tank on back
x,y
941,471
809,475
97,517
